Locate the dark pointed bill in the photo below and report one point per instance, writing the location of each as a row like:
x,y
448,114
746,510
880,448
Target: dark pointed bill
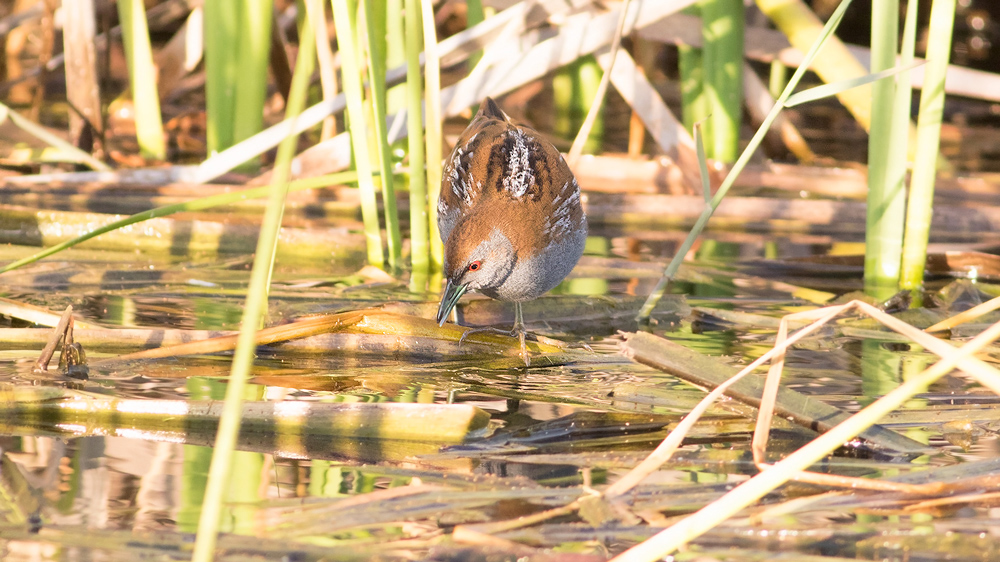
x,y
452,292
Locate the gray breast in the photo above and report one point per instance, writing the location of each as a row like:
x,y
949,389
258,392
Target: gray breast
x,y
533,277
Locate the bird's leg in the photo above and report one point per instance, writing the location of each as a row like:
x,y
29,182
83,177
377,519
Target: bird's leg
x,y
519,329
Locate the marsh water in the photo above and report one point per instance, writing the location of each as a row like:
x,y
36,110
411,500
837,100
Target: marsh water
x,y
94,491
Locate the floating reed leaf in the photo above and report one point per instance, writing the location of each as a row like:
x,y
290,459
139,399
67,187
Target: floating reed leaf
x,y
188,206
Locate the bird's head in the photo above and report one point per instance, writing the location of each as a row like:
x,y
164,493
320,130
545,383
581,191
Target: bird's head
x,y
478,257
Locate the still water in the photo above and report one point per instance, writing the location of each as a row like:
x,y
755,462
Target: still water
x,y
94,491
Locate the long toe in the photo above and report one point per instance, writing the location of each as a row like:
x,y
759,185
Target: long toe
x,y
524,349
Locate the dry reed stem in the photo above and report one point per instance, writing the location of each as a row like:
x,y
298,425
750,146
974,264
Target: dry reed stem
x,y
752,490
670,444
966,315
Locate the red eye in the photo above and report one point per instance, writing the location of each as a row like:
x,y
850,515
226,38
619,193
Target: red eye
x,y
474,266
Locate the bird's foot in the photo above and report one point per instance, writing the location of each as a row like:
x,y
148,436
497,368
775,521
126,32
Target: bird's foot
x,y
519,333
489,329
524,346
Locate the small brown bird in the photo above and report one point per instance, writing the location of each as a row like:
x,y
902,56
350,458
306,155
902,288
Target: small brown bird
x,y
509,214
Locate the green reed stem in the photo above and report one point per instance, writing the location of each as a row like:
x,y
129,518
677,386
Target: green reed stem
x,y
886,194
253,313
432,113
734,172
395,54
142,79
920,207
474,14
252,60
722,30
221,48
694,106
375,19
420,247
344,21
777,78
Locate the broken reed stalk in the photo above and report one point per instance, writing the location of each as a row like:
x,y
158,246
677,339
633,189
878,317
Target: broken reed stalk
x,y
671,269
920,206
350,67
41,133
375,19
253,313
758,486
886,160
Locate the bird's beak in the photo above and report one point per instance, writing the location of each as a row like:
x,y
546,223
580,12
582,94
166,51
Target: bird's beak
x,y
452,292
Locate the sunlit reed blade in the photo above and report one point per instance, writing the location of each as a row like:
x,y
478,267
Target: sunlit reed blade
x,y
675,263
249,88
722,59
221,46
375,20
420,244
432,117
886,190
142,79
597,102
920,206
316,14
253,312
345,22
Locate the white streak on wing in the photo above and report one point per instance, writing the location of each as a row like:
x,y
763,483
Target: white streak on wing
x,y
519,177
563,213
